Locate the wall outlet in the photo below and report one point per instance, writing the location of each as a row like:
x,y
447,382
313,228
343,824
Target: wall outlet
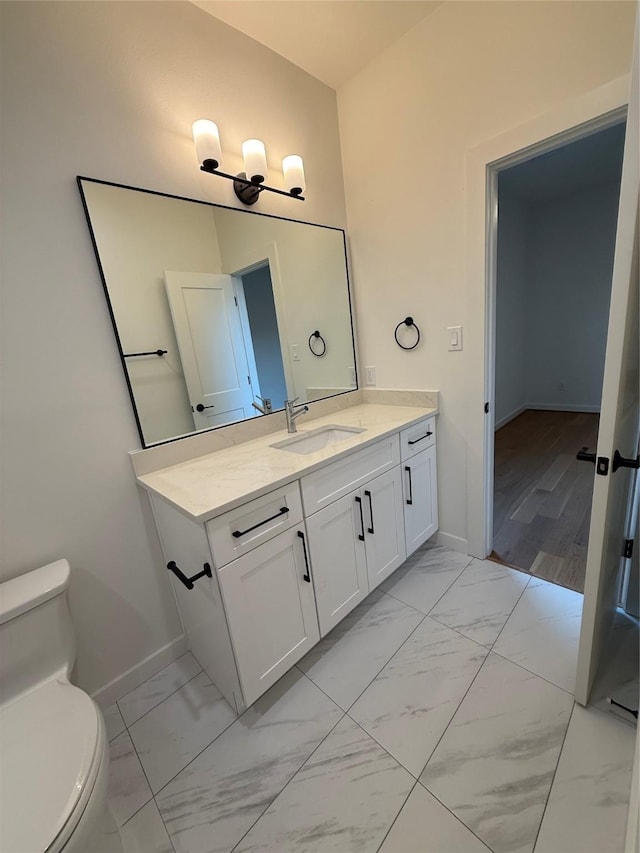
x,y
370,376
295,355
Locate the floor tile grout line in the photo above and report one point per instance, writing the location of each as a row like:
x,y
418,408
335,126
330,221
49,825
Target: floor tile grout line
x,y
460,633
128,725
289,781
398,814
511,612
531,672
454,815
144,773
553,778
169,781
473,680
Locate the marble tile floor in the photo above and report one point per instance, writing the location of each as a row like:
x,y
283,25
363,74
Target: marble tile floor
x,y
437,717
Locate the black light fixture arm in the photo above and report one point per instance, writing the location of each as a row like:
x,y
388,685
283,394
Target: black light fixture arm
x,y
247,191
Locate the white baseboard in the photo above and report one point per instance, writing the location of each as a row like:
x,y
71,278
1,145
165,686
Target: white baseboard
x,y
134,677
545,407
562,407
510,417
448,540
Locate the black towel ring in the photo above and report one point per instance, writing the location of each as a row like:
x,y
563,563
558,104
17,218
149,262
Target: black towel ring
x,y
317,336
408,321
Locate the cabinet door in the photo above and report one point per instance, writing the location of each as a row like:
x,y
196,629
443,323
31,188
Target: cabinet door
x,y
420,498
384,526
338,561
271,610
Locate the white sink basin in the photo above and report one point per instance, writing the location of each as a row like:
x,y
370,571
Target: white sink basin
x,y
317,439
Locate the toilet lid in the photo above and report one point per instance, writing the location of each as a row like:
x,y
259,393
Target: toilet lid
x,y
48,743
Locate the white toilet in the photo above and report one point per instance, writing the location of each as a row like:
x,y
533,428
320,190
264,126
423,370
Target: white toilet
x,y
54,760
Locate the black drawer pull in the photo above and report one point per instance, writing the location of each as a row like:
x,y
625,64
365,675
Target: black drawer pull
x,y
359,502
416,440
306,577
282,511
188,582
410,498
368,494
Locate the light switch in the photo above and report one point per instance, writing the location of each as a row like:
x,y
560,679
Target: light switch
x,y
455,338
295,356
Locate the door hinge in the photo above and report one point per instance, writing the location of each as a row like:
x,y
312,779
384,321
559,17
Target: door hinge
x,y
235,299
602,466
628,549
249,380
486,408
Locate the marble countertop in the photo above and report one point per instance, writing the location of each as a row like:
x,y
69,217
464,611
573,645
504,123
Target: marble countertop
x,y
209,485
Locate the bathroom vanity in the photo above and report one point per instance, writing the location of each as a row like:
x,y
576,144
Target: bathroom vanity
x,y
273,541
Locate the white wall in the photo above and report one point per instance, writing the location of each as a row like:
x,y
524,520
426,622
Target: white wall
x,y
555,261
571,248
466,74
110,90
511,307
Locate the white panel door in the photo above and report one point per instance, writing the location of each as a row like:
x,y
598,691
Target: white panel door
x,y
338,561
619,419
420,494
384,526
268,597
212,347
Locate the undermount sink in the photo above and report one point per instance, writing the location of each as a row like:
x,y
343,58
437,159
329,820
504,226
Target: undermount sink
x,y
317,439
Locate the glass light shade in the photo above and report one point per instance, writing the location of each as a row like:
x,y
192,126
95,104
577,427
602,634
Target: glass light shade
x,y
255,160
293,170
207,140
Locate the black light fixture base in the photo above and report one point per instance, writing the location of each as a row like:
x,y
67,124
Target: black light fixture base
x,y
246,190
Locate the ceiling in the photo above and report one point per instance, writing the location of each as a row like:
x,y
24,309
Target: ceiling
x,y
330,39
588,162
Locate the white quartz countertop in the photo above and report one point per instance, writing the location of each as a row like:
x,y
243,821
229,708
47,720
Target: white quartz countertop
x,y
209,485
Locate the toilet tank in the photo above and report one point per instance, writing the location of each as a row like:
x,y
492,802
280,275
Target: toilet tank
x,y
37,640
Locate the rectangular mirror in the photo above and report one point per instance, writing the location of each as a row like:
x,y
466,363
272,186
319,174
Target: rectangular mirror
x,y
219,314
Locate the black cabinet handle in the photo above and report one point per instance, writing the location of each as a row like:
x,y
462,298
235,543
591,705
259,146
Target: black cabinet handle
x,y
360,535
188,582
422,437
306,577
368,494
410,498
238,533
583,455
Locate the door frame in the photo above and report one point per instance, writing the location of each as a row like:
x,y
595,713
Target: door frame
x,y
572,120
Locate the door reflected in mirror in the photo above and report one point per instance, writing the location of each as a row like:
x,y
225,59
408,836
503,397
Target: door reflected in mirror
x,y
231,297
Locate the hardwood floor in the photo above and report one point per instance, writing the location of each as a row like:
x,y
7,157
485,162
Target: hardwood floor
x,y
542,494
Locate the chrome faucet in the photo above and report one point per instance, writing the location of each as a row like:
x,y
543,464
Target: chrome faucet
x,y
265,409
292,413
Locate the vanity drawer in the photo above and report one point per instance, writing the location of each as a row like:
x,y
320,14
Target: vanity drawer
x,y
417,437
339,478
247,526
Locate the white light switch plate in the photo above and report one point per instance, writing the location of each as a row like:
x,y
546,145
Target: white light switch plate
x,y
455,338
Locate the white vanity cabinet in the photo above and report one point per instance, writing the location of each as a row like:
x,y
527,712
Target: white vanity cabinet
x,y
256,616
419,483
270,605
259,584
355,539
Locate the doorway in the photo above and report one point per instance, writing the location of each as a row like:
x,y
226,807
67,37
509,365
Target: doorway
x,y
556,226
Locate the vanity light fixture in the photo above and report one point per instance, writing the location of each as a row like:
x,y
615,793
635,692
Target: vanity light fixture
x,y
248,184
